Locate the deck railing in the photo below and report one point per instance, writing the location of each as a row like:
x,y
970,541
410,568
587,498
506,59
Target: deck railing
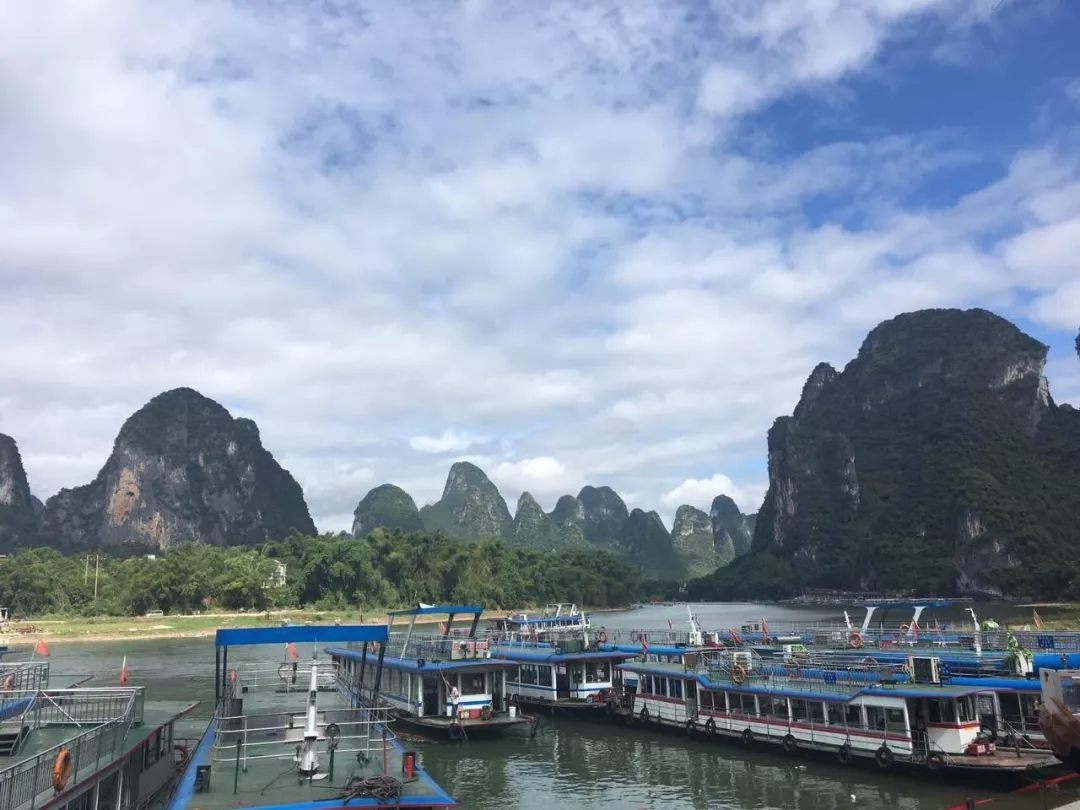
x,y
290,676
24,676
29,782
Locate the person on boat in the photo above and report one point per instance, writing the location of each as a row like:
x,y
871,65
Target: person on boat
x,y
455,696
1062,730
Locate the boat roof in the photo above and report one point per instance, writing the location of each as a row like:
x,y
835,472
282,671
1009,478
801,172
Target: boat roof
x,y
438,610
411,664
903,690
315,633
904,603
654,649
539,654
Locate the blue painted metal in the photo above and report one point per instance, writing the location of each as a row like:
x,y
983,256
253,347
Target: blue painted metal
x,y
315,633
438,610
1053,661
185,788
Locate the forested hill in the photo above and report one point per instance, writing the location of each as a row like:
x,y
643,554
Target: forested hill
x,y
936,461
326,572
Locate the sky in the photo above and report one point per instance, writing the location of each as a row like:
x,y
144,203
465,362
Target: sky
x,y
581,242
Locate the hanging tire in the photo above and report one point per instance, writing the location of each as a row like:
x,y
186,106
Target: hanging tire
x,y
710,727
844,754
644,715
747,736
690,727
456,732
935,762
884,757
789,744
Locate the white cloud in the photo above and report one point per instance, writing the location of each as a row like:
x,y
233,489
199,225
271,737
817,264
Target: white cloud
x,y
701,492
574,232
450,441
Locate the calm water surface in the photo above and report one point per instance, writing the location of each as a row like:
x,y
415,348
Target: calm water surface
x,y
575,764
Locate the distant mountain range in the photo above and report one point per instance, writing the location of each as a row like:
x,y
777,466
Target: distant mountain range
x,y
471,507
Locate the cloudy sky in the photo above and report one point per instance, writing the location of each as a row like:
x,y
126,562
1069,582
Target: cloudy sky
x,y
576,242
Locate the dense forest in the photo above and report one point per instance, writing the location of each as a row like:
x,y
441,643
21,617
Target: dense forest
x,y
326,572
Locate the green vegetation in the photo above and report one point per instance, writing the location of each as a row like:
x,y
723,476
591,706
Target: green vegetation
x,y
329,572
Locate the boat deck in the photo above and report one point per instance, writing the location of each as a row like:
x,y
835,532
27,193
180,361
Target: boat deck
x,y
252,752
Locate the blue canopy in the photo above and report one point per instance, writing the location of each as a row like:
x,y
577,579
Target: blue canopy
x,y
316,633
437,610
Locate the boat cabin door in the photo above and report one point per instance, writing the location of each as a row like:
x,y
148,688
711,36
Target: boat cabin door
x,y
562,682
690,690
431,696
988,715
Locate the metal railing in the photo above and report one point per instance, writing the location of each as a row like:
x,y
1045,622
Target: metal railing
x,y
25,782
24,676
290,675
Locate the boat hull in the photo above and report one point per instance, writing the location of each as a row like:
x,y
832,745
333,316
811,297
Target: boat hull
x,y
578,709
1002,771
440,728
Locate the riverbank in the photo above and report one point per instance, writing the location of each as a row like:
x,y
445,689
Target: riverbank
x,y
122,628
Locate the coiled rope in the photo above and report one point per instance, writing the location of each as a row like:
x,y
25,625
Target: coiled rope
x,y
385,789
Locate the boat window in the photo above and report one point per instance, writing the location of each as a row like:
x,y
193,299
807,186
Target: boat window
x,y
675,688
896,720
473,683
528,673
815,711
706,700
985,704
646,684
875,718
798,710
546,675
742,704
942,711
836,713
1010,708
1029,706
853,715
774,707
597,672
966,709
660,686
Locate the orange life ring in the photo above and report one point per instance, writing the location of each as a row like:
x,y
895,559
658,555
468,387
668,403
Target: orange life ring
x,y
601,637
9,685
61,771
855,639
905,628
738,674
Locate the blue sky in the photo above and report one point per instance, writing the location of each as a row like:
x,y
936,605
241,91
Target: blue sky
x,y
574,242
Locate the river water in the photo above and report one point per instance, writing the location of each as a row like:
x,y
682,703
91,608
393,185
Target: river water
x,y
577,764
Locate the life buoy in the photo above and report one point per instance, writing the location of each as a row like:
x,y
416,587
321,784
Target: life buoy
x,y
601,637
486,713
935,762
844,754
905,629
884,757
710,726
644,715
690,726
635,636
855,640
738,674
789,744
747,736
455,731
61,771
9,685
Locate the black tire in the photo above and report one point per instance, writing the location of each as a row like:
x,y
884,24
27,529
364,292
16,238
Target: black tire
x,y
747,736
789,744
644,715
844,754
884,757
935,762
690,727
456,732
710,726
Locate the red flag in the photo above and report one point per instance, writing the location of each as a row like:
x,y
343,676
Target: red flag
x,y
1038,621
735,637
41,648
670,626
937,629
764,628
124,672
644,646
290,648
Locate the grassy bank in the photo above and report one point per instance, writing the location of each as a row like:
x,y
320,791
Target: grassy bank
x,y
117,628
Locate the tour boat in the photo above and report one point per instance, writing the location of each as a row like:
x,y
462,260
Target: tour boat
x,y
883,716
292,733
566,675
79,748
558,618
444,685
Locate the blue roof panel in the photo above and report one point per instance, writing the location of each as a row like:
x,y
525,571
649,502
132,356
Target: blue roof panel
x,y
299,634
437,610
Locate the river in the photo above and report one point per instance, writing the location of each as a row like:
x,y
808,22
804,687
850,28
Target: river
x,y
575,764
